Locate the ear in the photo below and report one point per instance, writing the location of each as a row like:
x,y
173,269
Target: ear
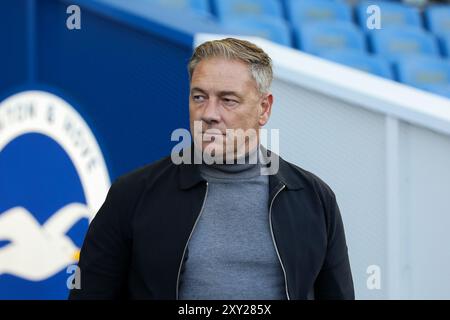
x,y
265,109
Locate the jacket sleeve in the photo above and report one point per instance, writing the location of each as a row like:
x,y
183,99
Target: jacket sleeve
x,y
105,252
335,278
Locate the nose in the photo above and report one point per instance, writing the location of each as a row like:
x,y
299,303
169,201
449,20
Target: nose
x,y
211,112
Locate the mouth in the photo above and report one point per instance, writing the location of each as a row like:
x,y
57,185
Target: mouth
x,y
213,137
212,133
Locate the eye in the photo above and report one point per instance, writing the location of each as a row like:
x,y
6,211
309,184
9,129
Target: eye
x,y
230,102
198,98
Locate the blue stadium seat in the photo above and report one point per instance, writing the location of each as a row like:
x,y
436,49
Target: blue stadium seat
x,y
423,71
276,30
228,9
437,19
305,11
444,41
196,5
361,61
443,90
322,36
393,43
391,14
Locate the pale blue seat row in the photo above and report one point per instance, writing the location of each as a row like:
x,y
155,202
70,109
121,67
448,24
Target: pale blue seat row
x,y
339,32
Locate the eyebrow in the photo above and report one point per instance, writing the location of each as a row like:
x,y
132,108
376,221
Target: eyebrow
x,y
220,93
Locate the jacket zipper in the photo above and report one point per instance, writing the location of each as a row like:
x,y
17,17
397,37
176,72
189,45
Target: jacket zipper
x,y
190,235
275,243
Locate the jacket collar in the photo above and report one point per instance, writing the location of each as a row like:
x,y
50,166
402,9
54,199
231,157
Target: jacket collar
x,y
189,174
286,175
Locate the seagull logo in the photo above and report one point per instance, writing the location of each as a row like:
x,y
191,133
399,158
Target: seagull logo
x,y
45,142
28,239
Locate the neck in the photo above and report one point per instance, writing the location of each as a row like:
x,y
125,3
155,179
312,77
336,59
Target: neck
x,y
247,166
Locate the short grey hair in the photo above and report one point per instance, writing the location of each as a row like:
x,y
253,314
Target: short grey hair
x,y
260,64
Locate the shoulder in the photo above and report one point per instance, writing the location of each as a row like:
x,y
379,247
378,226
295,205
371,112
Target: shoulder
x,y
308,179
133,183
319,192
316,187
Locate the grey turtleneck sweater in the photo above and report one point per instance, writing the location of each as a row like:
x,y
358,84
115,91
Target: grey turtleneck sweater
x,y
231,254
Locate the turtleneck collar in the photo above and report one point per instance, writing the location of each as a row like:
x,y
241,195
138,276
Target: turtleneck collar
x,y
245,170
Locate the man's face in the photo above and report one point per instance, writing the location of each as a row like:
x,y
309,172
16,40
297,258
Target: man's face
x,y
223,95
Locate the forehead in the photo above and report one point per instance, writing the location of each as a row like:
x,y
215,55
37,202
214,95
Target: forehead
x,y
224,74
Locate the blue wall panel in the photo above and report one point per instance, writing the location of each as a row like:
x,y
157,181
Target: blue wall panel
x,y
131,86
13,45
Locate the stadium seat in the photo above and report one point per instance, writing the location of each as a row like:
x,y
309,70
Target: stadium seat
x,y
443,90
196,5
230,9
444,41
276,30
322,36
391,14
423,72
437,19
305,11
393,43
361,61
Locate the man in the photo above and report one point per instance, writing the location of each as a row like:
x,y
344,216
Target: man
x,y
219,229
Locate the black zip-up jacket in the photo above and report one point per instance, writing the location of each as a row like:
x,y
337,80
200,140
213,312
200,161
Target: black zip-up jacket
x,y
136,243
